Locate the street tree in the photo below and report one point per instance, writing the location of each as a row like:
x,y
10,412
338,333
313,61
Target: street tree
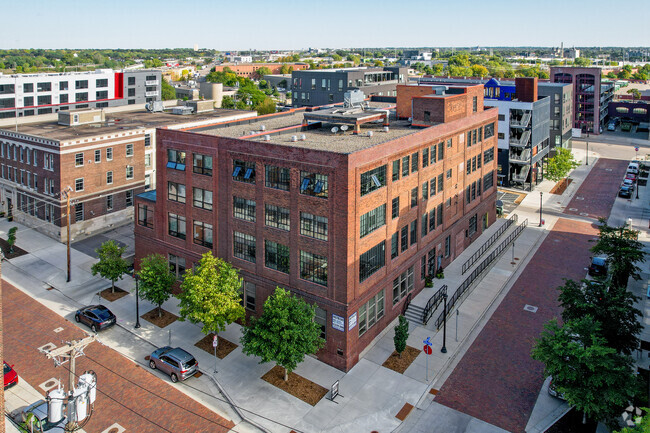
x,y
261,72
560,165
624,251
266,107
11,238
284,333
401,335
167,91
613,307
111,265
591,376
211,295
155,280
635,94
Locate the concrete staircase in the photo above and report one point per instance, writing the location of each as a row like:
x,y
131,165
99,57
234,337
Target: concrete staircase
x,y
414,314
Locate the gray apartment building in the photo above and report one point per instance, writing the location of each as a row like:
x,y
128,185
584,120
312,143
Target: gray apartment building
x,y
311,88
25,95
560,97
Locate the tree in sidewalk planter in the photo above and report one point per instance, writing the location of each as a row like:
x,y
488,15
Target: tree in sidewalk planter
x,y
623,251
591,376
284,333
11,238
211,295
111,265
401,335
612,307
560,165
155,280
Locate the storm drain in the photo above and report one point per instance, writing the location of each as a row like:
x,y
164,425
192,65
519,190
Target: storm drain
x,y
530,308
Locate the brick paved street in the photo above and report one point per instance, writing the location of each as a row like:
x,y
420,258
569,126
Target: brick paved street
x,y
127,393
596,196
497,381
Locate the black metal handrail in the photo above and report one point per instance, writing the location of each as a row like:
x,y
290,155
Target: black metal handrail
x,y
479,269
406,303
487,244
433,303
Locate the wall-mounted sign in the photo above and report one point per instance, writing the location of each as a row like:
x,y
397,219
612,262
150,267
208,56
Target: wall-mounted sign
x,y
352,321
338,322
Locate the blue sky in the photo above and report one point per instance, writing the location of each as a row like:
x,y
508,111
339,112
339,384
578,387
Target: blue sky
x,y
292,24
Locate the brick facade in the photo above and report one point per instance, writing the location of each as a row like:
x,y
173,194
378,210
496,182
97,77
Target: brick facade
x,y
345,293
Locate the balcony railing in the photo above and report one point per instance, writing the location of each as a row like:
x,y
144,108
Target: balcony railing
x,y
148,94
522,121
521,141
151,83
522,176
520,157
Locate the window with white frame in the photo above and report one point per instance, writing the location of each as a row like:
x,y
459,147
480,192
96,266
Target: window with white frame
x,y
78,159
371,312
79,184
129,149
129,172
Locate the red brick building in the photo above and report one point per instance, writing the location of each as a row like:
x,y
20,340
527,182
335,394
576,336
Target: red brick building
x,y
350,221
250,69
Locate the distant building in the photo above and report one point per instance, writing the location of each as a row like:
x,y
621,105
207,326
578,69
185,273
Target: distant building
x,y
26,95
250,70
316,87
591,95
351,219
104,160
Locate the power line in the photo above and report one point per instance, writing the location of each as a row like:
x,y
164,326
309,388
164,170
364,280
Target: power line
x,y
162,398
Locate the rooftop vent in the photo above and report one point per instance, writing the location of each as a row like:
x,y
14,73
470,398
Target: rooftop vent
x,y
267,137
369,133
303,137
262,128
294,138
386,129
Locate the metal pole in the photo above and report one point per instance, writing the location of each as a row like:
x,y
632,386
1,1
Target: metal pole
x,y
587,155
170,337
637,187
67,202
137,303
215,359
541,194
457,322
427,358
444,326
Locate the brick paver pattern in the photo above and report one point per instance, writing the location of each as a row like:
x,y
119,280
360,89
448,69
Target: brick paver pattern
x,y
496,380
597,194
127,393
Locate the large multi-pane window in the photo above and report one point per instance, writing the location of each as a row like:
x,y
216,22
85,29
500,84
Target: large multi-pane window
x,y
243,171
313,267
394,245
145,215
405,166
448,246
373,179
395,208
202,198
177,266
244,209
372,260
415,162
176,225
403,285
175,191
203,234
129,172
414,231
313,226
488,155
321,318
244,246
396,169
175,159
109,177
202,164
473,224
78,158
276,216
314,184
79,184
276,256
414,197
372,220
488,181
371,312
109,202
129,149
488,130
425,157
249,295
404,236
277,177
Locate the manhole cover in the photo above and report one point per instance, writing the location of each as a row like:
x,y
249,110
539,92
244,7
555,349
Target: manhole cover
x,y
584,214
580,198
530,308
573,209
59,329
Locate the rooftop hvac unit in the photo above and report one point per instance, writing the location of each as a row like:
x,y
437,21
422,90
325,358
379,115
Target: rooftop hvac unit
x,y
294,138
369,133
303,137
267,137
262,128
386,129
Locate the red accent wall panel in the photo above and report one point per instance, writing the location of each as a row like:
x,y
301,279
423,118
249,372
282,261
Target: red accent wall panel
x,y
119,85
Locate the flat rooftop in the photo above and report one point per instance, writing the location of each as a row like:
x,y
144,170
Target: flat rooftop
x,y
121,121
280,130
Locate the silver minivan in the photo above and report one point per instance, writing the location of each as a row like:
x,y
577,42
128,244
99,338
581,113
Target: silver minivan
x,y
175,362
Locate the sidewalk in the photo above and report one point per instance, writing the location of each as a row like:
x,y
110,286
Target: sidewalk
x,y
373,395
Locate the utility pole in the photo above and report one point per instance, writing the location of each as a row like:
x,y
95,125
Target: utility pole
x,y
70,351
67,192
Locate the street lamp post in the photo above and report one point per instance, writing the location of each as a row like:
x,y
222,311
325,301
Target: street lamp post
x,y
587,155
637,187
444,325
137,302
540,208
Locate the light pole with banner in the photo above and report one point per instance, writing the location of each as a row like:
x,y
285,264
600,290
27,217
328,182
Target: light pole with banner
x,y
215,343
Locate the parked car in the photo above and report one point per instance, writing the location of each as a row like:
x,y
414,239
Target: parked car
x,y
10,375
630,176
598,266
176,362
97,317
633,167
41,423
629,183
625,192
626,126
611,127
553,391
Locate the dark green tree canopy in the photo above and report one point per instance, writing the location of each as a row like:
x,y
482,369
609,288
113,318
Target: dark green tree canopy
x,y
624,251
111,265
155,280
